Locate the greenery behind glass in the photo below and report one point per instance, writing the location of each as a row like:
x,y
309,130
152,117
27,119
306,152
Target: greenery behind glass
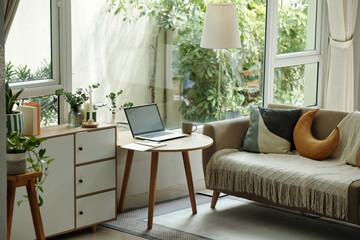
x,y
49,104
196,68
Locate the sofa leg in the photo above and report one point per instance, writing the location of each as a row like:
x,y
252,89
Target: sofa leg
x,y
214,199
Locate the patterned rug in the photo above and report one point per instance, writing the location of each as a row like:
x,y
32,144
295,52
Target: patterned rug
x,y
233,218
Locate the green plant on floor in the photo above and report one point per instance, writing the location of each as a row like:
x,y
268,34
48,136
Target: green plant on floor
x,y
37,159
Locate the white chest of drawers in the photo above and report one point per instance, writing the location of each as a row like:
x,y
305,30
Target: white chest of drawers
x,y
80,190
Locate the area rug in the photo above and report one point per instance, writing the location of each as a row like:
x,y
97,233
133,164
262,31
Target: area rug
x,y
233,218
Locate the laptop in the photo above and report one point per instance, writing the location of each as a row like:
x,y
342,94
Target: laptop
x,y
145,123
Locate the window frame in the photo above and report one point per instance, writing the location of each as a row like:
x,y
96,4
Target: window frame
x,y
38,88
60,58
274,60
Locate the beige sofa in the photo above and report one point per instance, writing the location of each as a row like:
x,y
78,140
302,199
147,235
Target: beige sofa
x,y
229,134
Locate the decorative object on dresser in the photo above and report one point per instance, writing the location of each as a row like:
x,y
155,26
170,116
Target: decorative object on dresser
x,y
221,30
80,191
76,100
114,108
23,149
14,119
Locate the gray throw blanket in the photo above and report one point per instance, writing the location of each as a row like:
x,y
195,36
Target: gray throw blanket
x,y
292,180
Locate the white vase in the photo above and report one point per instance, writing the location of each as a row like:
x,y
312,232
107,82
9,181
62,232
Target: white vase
x,y
113,120
16,163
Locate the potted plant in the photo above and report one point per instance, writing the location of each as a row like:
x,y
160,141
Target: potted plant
x,y
75,100
114,108
20,150
14,119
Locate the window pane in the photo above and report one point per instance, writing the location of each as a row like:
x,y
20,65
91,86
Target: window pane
x,y
241,80
49,109
28,46
296,25
296,85
152,63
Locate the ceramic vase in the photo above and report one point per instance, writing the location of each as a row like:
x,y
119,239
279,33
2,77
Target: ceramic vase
x,y
15,122
16,163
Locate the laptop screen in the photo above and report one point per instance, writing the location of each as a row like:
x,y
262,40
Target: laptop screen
x,y
144,119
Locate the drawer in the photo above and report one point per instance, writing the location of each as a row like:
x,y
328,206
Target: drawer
x,y
91,146
95,177
95,208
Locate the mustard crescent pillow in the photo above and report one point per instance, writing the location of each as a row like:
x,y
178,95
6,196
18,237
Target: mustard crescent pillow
x,y
307,145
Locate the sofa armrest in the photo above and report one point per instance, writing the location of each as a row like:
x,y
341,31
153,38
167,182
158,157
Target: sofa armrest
x,y
226,134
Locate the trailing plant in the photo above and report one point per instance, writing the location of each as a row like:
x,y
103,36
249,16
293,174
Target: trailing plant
x,y
78,97
36,158
11,98
113,97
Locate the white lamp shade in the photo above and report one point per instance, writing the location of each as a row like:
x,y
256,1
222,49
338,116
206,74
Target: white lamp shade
x,y
221,27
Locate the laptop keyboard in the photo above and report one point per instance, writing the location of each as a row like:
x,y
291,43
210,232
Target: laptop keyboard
x,y
158,134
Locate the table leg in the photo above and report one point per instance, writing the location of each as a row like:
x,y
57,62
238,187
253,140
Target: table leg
x,y
11,189
189,180
152,187
129,159
35,211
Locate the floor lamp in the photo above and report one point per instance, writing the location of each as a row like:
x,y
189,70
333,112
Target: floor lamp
x,y
221,30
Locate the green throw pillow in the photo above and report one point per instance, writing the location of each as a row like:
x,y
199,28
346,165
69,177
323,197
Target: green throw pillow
x,y
271,130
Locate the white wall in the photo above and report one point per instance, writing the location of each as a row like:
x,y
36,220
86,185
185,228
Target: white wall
x,y
117,54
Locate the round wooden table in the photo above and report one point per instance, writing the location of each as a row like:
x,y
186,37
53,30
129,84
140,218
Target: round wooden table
x,y
184,145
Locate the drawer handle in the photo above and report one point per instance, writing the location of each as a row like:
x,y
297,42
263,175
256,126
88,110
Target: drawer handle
x,y
80,148
81,181
81,212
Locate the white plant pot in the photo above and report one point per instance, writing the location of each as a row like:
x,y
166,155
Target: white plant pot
x,y
16,163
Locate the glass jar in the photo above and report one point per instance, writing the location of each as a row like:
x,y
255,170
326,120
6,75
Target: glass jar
x,y
74,117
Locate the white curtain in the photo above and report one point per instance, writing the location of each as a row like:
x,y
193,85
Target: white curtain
x,y
339,84
10,7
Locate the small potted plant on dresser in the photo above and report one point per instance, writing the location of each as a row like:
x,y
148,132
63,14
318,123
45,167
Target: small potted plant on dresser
x,y
14,119
75,100
114,108
21,149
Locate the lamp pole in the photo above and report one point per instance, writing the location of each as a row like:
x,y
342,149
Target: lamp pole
x,y
219,83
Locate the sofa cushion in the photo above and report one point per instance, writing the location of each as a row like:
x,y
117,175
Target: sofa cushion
x,y
271,130
307,145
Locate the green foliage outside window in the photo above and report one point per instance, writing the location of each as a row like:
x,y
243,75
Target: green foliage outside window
x,y
242,76
49,104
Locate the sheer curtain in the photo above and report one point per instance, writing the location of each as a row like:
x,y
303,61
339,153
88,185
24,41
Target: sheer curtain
x,y
10,7
339,84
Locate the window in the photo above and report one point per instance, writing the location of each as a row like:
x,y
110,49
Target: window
x,y
295,67
161,60
32,54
